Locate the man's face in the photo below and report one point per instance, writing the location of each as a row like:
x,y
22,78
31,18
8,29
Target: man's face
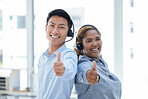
x,y
56,30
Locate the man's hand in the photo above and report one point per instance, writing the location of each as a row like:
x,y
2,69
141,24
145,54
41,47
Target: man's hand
x,y
58,66
92,74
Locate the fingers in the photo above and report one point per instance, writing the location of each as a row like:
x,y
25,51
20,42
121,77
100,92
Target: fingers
x,y
92,77
58,68
92,74
91,82
58,57
57,65
94,66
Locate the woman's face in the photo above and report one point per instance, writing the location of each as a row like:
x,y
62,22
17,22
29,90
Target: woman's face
x,y
92,43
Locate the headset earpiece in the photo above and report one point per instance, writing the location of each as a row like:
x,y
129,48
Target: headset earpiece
x,y
70,33
79,46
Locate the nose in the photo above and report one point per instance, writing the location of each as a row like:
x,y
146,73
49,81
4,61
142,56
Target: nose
x,y
94,43
55,30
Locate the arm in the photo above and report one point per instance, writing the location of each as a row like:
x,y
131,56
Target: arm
x,y
87,73
70,65
83,67
66,68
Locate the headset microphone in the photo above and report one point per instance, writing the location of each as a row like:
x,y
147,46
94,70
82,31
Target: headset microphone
x,y
68,40
83,52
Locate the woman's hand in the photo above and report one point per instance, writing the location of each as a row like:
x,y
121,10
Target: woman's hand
x,y
92,74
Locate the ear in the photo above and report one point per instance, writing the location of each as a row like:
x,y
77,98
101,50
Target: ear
x,y
46,31
45,28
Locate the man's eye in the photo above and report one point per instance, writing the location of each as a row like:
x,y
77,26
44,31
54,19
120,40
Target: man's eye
x,y
61,27
89,41
51,25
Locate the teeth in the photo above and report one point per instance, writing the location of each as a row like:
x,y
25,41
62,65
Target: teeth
x,y
94,49
54,36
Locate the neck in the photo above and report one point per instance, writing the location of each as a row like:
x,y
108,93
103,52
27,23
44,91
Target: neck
x,y
97,58
53,48
94,57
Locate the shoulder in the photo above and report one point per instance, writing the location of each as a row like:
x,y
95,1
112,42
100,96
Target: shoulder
x,y
68,51
41,60
84,62
83,59
43,57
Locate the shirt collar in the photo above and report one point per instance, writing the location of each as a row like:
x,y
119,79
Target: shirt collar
x,y
89,58
62,48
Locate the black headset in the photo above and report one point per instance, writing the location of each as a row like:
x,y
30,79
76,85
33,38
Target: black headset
x,y
79,46
70,32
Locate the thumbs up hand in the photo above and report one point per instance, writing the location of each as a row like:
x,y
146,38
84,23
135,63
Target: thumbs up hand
x,y
58,66
92,74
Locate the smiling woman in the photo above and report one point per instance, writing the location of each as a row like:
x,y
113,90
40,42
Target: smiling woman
x,y
94,78
92,43
88,40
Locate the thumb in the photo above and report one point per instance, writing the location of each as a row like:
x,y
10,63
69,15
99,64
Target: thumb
x,y
94,66
58,57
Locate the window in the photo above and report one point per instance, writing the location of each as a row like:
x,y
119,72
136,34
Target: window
x,y
131,53
13,41
1,57
135,49
132,3
21,22
0,20
131,27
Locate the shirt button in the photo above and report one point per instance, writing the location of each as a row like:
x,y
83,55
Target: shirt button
x,y
80,79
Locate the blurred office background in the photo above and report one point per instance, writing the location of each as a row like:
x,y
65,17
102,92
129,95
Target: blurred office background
x,y
122,23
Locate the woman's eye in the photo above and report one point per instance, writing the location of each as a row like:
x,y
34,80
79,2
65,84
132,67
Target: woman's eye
x,y
98,39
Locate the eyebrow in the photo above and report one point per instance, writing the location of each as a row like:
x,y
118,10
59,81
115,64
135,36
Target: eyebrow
x,y
88,38
92,38
52,23
55,24
96,37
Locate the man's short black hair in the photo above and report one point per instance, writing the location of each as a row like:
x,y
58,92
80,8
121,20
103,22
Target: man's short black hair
x,y
60,13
